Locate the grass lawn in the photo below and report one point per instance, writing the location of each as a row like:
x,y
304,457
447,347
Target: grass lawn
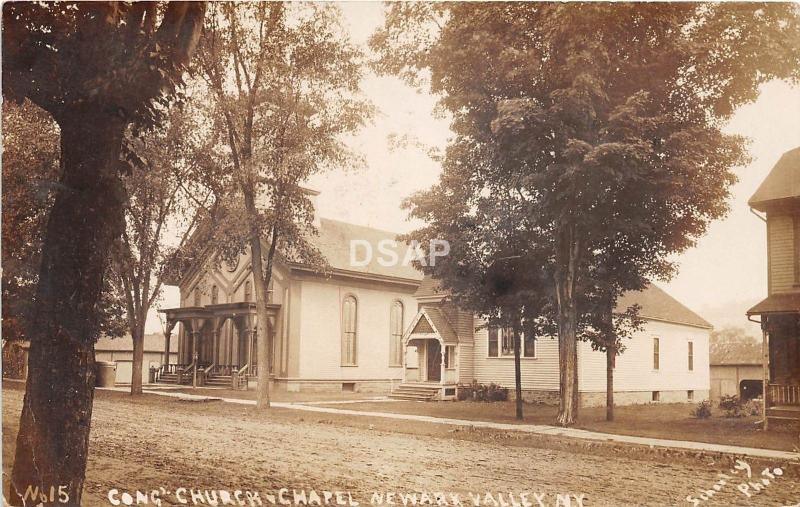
x,y
277,396
669,420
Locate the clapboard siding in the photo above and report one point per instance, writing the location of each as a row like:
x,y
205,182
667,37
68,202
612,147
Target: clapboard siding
x,y
320,333
634,367
634,370
466,369
539,373
780,231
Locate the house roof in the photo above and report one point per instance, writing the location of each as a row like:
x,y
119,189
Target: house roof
x,y
335,239
781,184
438,322
441,324
655,304
429,287
735,353
788,302
152,343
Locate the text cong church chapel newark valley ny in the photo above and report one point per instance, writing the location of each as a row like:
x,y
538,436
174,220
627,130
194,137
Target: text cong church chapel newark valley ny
x,y
377,328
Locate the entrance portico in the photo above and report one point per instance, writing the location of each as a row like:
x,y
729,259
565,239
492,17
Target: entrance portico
x,y
431,346
206,354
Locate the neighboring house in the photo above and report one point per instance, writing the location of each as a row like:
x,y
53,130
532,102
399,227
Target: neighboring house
x,y
372,326
667,361
120,351
736,370
779,198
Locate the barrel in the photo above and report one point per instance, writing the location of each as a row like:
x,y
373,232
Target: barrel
x,y
106,373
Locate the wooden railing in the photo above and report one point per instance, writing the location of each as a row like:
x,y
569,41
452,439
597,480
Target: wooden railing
x,y
167,368
778,394
183,371
239,377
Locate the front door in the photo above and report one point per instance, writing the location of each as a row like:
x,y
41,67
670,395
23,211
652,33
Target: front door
x,y
434,361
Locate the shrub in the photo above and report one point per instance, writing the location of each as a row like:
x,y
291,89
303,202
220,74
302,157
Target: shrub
x,y
732,406
752,407
703,410
483,392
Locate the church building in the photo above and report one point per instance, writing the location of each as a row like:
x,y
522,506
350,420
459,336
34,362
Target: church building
x,y
376,326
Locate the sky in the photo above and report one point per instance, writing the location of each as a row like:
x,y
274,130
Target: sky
x,y
720,278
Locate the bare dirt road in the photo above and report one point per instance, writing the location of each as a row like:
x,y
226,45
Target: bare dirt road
x,y
149,443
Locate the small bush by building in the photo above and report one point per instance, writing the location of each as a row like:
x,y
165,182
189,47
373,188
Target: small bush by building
x,y
703,410
483,392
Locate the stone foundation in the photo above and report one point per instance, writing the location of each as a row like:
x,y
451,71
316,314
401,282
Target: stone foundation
x,y
598,399
332,386
641,397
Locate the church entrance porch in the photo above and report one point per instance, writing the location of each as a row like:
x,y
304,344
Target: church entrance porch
x,y
216,344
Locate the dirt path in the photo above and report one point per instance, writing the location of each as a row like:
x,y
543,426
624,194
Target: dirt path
x,y
148,444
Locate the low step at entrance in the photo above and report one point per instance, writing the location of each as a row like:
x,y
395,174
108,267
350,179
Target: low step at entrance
x,y
415,392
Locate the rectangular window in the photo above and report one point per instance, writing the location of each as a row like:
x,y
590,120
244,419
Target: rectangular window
x,y
656,358
493,348
349,327
690,395
501,343
508,342
450,357
656,396
528,346
396,334
691,356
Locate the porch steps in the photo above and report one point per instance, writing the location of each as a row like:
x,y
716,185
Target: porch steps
x,y
789,412
415,392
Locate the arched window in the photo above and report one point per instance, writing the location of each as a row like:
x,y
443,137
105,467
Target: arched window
x,y
396,334
349,326
197,296
248,291
214,294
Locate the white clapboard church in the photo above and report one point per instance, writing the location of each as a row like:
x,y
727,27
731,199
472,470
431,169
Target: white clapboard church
x,y
379,327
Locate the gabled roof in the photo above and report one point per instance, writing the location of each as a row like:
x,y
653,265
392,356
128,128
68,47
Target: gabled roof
x,y
781,185
438,322
736,353
334,242
654,302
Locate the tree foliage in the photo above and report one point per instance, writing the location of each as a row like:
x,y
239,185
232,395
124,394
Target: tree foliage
x,y
96,68
607,117
285,85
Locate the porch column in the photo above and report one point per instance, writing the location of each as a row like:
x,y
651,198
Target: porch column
x,y
765,367
167,337
166,346
442,370
180,344
194,358
250,334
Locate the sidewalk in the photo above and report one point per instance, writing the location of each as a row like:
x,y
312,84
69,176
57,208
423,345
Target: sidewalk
x,y
537,429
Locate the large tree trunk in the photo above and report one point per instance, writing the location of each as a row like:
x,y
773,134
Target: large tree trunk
x,y
262,350
86,217
260,284
138,359
611,353
567,248
517,371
